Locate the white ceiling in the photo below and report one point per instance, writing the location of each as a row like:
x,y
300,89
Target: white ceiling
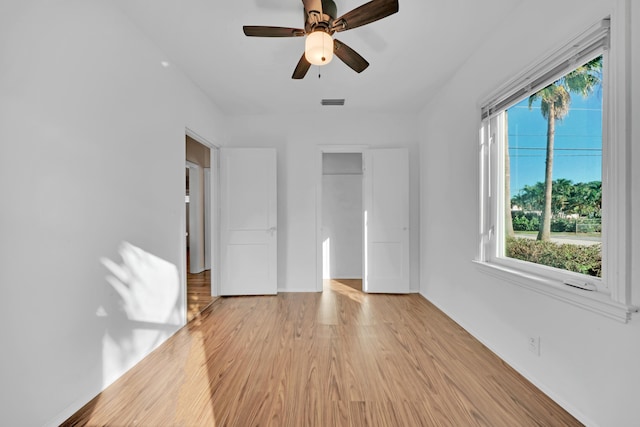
x,y
412,53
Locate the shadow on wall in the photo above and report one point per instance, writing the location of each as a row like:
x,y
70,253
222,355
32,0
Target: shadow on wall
x,y
141,309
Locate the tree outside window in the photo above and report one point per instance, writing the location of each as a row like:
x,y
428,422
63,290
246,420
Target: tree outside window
x,y
553,173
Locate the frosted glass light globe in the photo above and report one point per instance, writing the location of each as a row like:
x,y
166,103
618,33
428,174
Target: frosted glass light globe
x,y
318,48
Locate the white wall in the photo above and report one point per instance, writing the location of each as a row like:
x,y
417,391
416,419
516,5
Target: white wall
x,y
84,104
342,217
92,232
298,138
588,363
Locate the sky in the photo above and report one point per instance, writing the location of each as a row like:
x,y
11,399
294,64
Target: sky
x,y
578,142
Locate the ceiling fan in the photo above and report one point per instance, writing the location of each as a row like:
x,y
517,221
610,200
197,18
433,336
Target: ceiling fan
x,y
320,25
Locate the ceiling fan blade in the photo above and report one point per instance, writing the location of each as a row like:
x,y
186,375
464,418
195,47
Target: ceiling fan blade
x,y
301,69
349,56
263,31
365,14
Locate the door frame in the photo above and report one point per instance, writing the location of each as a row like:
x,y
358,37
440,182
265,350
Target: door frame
x,y
322,149
213,215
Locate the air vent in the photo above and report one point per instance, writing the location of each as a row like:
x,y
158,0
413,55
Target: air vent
x,y
332,101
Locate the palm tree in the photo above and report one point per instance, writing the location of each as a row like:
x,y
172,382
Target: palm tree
x,y
588,199
554,105
563,191
530,198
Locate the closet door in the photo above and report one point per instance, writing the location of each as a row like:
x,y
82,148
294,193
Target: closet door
x,y
386,221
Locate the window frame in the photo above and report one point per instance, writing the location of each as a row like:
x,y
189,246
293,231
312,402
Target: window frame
x,y
612,294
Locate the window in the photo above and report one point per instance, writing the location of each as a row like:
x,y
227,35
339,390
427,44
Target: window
x,y
552,145
553,189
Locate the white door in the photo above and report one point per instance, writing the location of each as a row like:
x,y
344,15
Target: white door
x,y
248,221
196,218
386,221
207,219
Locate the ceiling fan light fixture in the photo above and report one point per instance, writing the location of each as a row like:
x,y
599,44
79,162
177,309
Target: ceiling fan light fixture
x,y
318,48
320,23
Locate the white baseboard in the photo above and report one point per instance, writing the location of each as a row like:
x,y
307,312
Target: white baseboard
x,y
291,290
579,415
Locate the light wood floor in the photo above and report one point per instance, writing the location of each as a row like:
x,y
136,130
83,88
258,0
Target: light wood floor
x,y
198,293
339,357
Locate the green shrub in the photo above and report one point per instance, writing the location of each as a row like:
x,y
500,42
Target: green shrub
x,y
520,223
563,225
525,221
578,258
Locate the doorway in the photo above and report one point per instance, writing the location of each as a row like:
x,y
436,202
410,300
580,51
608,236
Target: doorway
x,y
199,199
342,220
384,215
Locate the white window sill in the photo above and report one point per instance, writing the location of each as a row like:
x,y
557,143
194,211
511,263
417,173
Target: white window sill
x,y
595,302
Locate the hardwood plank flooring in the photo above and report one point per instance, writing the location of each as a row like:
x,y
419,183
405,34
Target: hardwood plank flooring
x,y
337,358
198,293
